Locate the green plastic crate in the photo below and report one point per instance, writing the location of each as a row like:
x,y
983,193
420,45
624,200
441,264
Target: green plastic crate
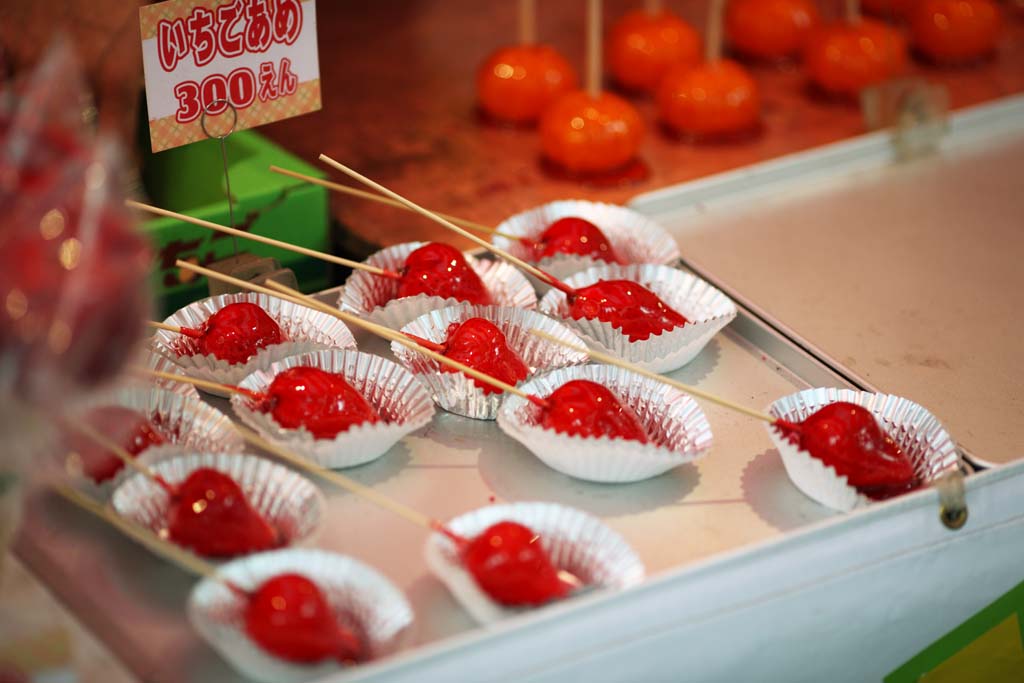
x,y
190,180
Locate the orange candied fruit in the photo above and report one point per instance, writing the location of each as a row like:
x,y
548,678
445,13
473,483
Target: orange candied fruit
x,y
518,82
586,134
955,31
642,47
844,58
770,29
711,99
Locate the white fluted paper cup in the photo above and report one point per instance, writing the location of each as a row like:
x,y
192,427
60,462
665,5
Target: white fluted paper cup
x,y
402,402
457,393
289,502
677,428
374,297
917,432
574,541
151,360
707,309
634,237
363,600
303,329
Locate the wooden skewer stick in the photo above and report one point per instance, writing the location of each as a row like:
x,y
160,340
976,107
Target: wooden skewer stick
x,y
151,541
263,240
612,360
652,6
345,189
853,11
713,46
527,22
125,457
537,272
187,331
201,383
594,47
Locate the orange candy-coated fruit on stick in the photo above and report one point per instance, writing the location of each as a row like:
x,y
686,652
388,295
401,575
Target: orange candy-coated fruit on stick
x,y
711,99
515,84
585,134
770,29
844,58
955,31
642,47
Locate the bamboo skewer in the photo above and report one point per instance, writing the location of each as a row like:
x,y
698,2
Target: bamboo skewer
x,y
125,457
201,383
188,332
594,48
540,274
652,6
345,189
151,541
612,360
527,22
713,46
263,240
853,11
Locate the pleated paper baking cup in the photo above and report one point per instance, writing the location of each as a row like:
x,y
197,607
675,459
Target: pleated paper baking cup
x,y
575,542
363,600
373,297
292,504
304,329
917,432
186,422
151,360
677,429
457,393
634,237
707,309
402,402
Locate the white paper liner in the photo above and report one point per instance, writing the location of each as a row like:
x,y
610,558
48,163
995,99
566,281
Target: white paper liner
x,y
304,329
634,237
288,501
363,599
459,394
707,309
917,432
186,422
679,431
402,402
373,297
151,360
575,541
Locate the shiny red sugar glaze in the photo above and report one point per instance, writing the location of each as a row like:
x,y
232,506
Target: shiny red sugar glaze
x,y
584,408
131,430
322,402
212,517
573,235
437,269
509,563
481,345
627,306
289,617
848,438
235,333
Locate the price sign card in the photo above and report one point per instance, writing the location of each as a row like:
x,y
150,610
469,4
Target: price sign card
x,y
260,55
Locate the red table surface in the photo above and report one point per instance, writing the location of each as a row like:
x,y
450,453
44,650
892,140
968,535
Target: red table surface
x,y
399,106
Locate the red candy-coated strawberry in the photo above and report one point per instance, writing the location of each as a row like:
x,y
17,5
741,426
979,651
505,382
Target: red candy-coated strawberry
x,y
509,563
322,402
129,429
481,345
236,332
847,437
288,616
627,306
437,269
211,516
584,408
573,235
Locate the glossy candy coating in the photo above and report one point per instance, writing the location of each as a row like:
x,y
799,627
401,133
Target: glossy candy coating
x,y
709,100
236,332
628,306
770,29
641,47
131,430
509,563
321,402
571,235
586,409
955,31
481,345
844,58
212,517
516,83
437,269
584,134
